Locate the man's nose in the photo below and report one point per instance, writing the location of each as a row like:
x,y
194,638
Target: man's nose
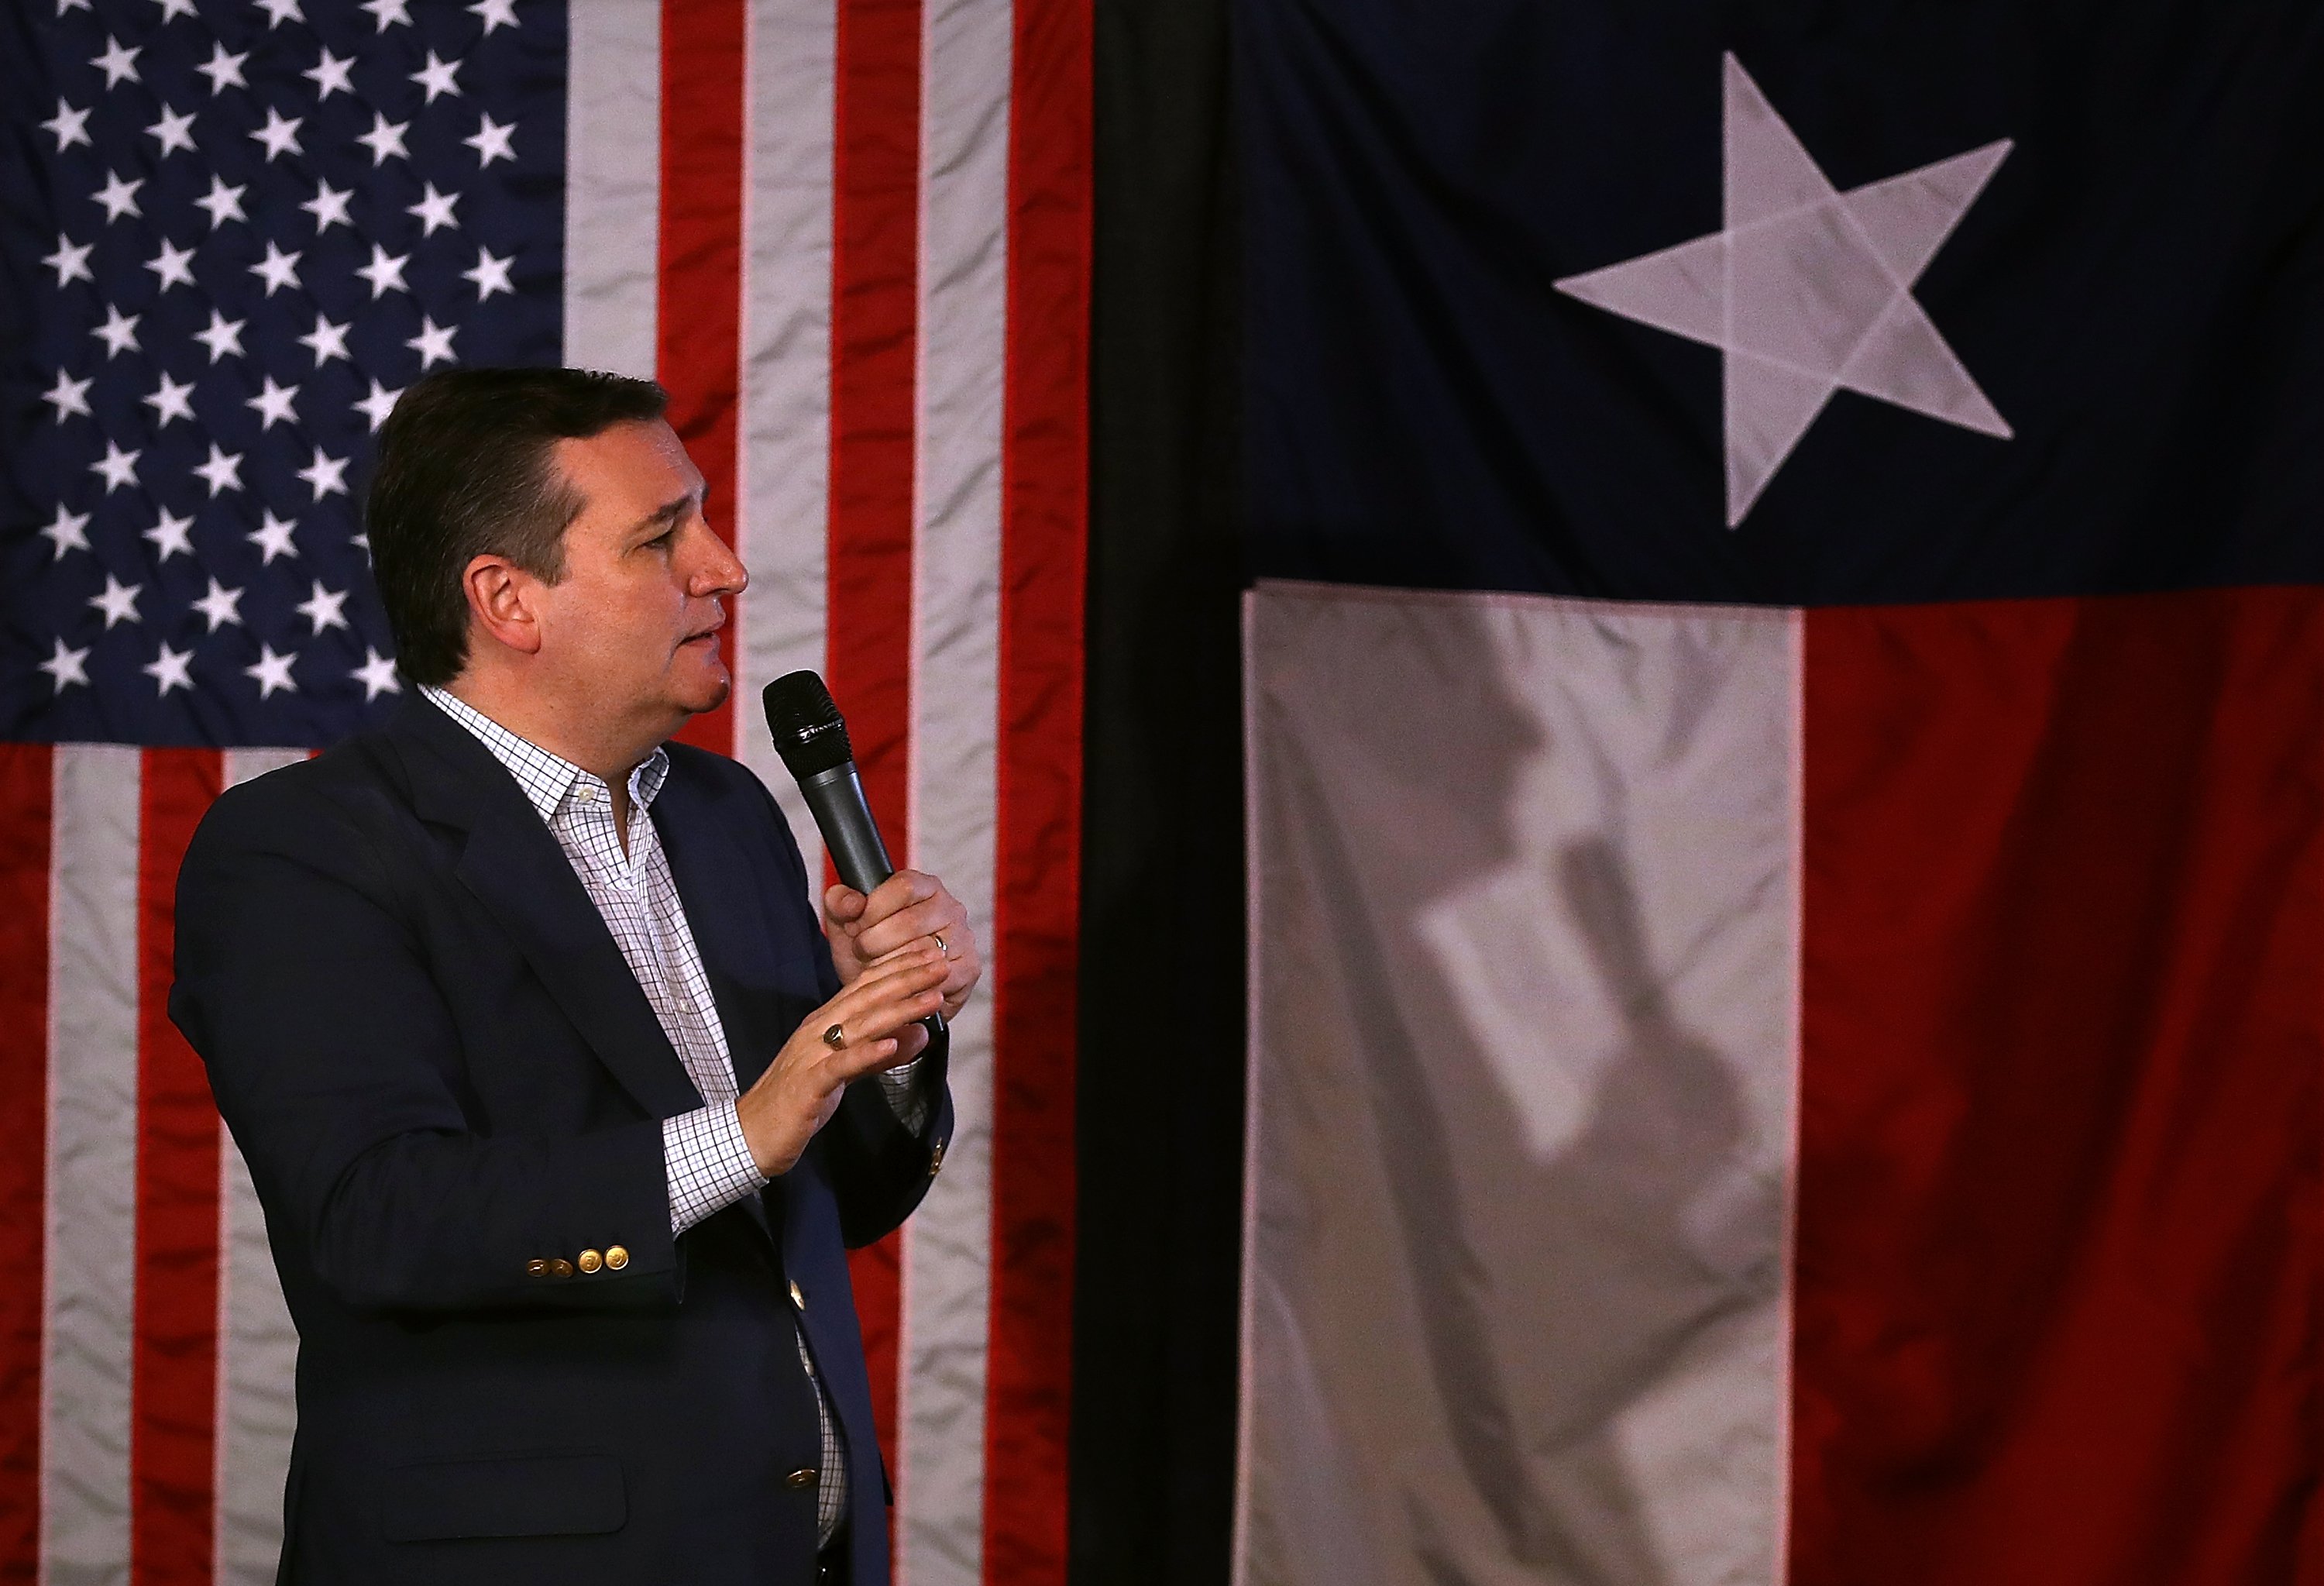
x,y
718,571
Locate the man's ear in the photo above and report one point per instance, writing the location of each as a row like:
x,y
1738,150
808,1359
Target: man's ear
x,y
502,602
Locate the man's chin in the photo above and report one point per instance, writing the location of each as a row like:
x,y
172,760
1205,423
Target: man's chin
x,y
708,690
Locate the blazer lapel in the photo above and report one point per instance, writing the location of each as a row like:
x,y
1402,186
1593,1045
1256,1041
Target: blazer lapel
x,y
513,864
726,908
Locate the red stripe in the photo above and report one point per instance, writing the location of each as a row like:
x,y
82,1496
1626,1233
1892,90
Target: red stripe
x,y
1037,902
698,319
27,787
174,1363
2058,1250
874,325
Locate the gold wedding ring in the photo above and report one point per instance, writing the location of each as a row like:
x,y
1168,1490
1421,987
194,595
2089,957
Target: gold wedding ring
x,y
835,1037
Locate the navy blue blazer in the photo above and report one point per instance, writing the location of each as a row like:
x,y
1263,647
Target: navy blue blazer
x,y
448,1086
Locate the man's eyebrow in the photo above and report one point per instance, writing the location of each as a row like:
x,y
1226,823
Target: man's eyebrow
x,y
667,513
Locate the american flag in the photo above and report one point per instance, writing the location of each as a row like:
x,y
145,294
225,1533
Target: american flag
x,y
851,241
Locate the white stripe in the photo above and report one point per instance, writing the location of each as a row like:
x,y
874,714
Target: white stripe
x,y
613,184
258,1348
1780,1508
783,465
1524,1072
956,679
92,1168
1254,1013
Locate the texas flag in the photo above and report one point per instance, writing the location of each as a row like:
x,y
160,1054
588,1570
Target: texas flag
x,y
1785,794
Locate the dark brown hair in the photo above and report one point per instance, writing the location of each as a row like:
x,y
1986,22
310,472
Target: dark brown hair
x,y
466,468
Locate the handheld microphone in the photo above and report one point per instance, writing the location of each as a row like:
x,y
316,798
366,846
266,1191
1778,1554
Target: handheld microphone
x,y
812,739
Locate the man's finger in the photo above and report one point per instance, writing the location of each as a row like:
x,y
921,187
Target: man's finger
x,y
866,1028
895,894
942,916
914,958
842,903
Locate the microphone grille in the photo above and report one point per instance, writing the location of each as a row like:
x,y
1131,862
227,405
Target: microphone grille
x,y
808,733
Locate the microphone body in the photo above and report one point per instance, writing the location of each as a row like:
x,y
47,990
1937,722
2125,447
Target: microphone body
x,y
843,815
812,740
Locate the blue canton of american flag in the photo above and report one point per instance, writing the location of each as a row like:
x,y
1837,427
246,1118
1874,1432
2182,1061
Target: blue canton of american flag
x,y
232,233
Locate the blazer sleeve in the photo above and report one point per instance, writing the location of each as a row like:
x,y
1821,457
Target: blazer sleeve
x,y
334,1060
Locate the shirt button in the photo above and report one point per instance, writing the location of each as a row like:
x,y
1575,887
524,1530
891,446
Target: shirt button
x,y
801,1478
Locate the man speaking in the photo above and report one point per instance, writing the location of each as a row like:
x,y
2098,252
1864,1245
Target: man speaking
x,y
562,1108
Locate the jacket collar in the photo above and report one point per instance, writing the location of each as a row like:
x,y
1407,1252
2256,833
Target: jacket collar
x,y
513,866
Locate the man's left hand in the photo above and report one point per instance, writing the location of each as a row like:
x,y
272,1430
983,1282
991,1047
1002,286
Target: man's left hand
x,y
909,906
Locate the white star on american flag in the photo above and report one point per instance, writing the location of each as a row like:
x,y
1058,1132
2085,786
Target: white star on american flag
x,y
385,271
171,669
436,77
118,333
326,341
67,396
493,142
386,138
434,210
272,539
116,467
223,203
118,63
117,600
277,270
223,70
433,344
171,536
68,126
172,266
119,196
272,404
223,337
377,675
70,262
175,132
490,274
68,531
378,405
220,606
280,135
171,400
272,671
324,608
325,476
66,667
222,472
328,206
329,75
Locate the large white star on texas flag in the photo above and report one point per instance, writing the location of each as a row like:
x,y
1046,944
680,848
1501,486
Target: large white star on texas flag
x,y
1806,289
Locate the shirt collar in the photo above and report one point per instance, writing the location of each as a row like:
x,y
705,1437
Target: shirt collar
x,y
547,780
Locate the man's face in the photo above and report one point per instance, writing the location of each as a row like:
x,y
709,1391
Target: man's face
x,y
632,628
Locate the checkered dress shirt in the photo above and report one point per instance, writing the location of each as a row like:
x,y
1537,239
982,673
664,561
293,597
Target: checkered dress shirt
x,y
707,1161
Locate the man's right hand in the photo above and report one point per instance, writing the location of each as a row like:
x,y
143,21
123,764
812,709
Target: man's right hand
x,y
802,1087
